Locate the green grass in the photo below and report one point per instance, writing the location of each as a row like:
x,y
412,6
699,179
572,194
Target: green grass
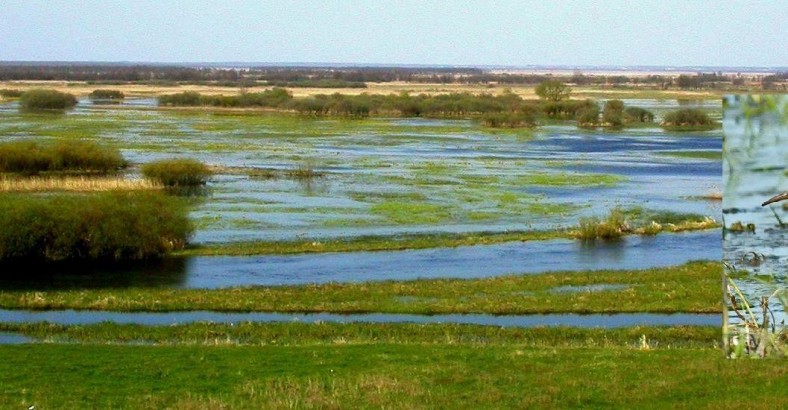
x,y
693,287
298,334
712,155
40,99
443,375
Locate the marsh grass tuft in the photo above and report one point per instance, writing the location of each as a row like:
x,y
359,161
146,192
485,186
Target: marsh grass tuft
x,y
31,157
41,99
107,226
614,226
177,172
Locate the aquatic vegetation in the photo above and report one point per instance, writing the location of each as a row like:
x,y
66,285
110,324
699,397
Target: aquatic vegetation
x,y
112,225
566,179
31,157
412,212
41,99
181,172
612,227
751,336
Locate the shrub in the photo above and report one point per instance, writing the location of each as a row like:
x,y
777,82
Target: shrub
x,y
30,157
687,117
637,114
186,98
105,94
588,116
508,119
177,172
9,93
613,114
40,99
612,227
113,226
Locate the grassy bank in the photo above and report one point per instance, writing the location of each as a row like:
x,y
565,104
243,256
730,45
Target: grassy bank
x,y
693,287
299,334
443,375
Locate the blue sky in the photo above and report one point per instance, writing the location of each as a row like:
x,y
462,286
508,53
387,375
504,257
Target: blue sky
x,y
601,32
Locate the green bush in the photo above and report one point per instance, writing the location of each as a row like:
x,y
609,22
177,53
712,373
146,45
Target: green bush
x,y
637,114
9,93
588,116
687,118
105,94
40,99
111,226
30,157
613,114
177,172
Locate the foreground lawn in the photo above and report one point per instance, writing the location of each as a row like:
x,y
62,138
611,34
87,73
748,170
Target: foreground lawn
x,y
692,287
383,375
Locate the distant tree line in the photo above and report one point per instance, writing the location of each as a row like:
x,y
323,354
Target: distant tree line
x,y
357,77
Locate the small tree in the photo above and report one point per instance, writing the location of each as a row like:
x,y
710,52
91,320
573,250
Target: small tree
x,y
553,90
613,114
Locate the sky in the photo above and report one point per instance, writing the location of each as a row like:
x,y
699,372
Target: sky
x,y
466,32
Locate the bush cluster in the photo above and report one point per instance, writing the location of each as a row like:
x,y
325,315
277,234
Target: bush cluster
x,y
31,157
177,172
41,99
687,117
111,226
275,97
106,94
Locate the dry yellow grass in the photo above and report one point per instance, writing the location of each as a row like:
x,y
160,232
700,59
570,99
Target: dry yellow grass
x,y
524,91
74,184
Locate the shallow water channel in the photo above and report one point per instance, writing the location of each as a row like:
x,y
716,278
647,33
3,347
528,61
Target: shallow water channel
x,y
633,252
84,317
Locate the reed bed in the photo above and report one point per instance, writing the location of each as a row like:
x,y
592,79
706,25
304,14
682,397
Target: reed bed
x,y
76,184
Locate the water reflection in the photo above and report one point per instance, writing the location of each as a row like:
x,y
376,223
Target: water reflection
x,y
171,272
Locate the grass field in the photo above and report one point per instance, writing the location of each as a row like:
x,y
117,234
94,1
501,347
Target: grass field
x,y
442,375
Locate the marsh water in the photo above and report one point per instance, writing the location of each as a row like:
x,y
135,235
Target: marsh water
x,y
283,177
84,317
756,153
463,262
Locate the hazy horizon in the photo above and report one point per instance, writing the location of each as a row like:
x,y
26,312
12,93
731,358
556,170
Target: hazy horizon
x,y
432,33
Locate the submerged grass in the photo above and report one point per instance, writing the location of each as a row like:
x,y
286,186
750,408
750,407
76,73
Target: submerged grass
x,y
693,287
440,375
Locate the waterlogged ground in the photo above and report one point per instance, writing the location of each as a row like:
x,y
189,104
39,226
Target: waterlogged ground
x,y
282,177
756,153
388,176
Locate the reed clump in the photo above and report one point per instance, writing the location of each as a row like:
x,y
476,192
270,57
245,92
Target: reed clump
x,y
612,227
115,226
177,172
31,157
44,99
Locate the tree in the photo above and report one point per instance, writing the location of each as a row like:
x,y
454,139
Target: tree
x,y
553,90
